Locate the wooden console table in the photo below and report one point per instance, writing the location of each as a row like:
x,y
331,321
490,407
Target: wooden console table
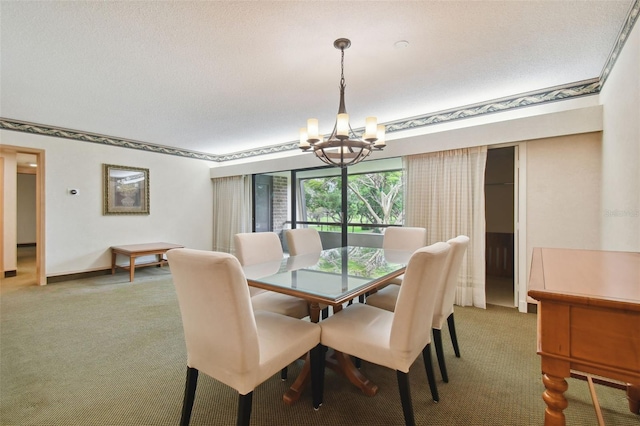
x,y
138,250
588,320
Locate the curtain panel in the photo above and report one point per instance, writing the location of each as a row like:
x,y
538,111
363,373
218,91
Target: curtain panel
x,y
444,193
231,210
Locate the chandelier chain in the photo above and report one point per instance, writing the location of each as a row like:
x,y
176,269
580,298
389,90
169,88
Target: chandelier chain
x,y
342,69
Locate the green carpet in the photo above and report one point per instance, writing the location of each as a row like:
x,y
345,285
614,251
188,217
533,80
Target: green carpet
x,y
104,351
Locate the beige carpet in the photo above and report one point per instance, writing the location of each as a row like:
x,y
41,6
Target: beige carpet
x,y
104,351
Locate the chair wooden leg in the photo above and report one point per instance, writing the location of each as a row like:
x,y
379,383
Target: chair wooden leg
x,y
405,397
244,409
325,313
317,375
452,332
437,340
189,395
284,373
428,365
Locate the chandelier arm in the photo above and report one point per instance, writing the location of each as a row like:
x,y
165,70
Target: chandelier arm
x,y
336,143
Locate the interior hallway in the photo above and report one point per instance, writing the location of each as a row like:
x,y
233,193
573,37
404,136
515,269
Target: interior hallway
x,y
499,291
26,275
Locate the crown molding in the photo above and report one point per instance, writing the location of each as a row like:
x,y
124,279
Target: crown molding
x,y
574,90
590,87
629,23
60,132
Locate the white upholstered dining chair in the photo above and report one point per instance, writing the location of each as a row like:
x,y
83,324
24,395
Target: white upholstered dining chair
x,y
303,241
226,339
260,247
444,307
253,248
395,339
406,238
387,297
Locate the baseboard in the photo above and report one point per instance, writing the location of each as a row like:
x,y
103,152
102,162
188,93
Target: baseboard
x,y
78,276
9,274
26,245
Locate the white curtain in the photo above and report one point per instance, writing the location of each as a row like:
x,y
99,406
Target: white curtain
x,y
444,193
231,210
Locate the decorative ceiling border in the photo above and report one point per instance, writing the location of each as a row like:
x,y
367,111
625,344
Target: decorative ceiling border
x,y
573,90
629,23
590,87
59,132
584,88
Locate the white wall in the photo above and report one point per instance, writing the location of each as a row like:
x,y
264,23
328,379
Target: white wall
x,y
78,236
563,192
26,226
621,151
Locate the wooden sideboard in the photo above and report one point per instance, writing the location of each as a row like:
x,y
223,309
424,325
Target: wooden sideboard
x,y
588,320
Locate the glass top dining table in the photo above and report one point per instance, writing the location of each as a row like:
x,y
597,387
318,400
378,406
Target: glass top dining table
x,y
331,277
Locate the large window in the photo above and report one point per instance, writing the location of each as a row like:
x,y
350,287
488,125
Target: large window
x,y
371,200
374,200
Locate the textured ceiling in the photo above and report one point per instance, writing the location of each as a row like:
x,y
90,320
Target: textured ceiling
x,y
227,76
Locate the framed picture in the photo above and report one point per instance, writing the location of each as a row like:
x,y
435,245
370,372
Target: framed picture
x,y
126,190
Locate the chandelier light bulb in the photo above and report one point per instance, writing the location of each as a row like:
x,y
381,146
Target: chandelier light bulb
x,y
313,132
371,129
380,134
342,126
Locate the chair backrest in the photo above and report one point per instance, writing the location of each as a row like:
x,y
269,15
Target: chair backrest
x,y
411,327
444,301
303,241
257,247
218,321
404,238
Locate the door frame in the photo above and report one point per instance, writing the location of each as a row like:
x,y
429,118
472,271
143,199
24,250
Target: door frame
x,y
520,220
41,277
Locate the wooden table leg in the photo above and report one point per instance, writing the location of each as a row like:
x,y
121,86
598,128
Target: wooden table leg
x,y
132,267
354,375
633,395
295,390
113,262
554,398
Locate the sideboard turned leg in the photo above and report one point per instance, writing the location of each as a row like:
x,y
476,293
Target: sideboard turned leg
x,y
554,398
633,395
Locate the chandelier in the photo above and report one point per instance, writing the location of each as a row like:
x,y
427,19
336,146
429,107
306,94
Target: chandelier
x,y
343,147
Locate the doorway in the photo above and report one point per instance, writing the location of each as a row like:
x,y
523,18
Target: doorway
x,y
23,216
500,193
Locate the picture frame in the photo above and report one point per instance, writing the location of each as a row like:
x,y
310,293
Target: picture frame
x,y
126,190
